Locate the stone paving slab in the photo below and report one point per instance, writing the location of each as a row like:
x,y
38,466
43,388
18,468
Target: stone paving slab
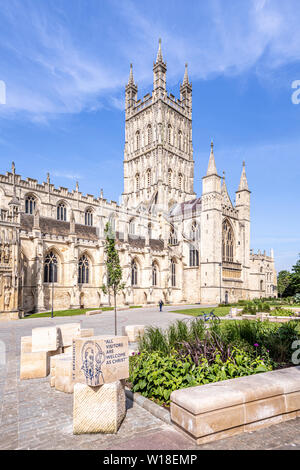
x,y
35,416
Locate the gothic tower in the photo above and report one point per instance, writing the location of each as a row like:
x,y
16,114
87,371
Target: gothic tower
x,y
158,154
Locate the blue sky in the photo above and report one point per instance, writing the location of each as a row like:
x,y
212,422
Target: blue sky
x,y
65,64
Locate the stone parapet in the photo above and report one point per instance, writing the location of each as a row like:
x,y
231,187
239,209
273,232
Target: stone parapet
x,y
222,409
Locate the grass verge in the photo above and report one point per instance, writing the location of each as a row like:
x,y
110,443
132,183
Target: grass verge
x,y
66,313
219,311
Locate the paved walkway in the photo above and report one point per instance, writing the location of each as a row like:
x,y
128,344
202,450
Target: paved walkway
x,y
34,416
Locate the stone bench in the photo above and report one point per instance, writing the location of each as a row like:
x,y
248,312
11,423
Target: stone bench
x,y
222,409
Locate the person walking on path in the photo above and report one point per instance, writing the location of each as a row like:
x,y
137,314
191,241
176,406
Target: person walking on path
x,y
160,303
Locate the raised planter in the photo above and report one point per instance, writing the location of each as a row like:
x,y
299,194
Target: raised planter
x,y
222,409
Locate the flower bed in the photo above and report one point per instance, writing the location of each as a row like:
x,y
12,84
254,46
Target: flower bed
x,y
188,354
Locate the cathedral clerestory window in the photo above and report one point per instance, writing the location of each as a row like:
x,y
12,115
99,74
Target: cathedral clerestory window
x,y
138,140
50,268
30,203
137,182
173,240
170,177
194,256
227,242
149,131
61,212
83,270
149,178
88,217
169,134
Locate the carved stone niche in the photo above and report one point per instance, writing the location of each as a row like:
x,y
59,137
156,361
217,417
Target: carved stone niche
x,y
7,291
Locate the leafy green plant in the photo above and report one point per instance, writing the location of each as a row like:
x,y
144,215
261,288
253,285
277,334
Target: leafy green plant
x,y
155,375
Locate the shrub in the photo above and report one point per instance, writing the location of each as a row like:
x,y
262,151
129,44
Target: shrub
x,y
156,375
297,298
155,339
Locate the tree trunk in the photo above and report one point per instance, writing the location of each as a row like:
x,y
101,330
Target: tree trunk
x,y
115,305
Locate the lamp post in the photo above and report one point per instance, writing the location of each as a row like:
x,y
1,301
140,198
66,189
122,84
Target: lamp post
x,y
220,264
52,275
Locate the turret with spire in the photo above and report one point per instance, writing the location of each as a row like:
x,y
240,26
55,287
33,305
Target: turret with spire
x,y
211,182
130,91
243,195
159,74
186,92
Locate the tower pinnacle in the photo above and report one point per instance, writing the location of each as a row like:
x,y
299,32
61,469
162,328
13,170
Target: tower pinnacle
x,y
211,169
243,181
159,57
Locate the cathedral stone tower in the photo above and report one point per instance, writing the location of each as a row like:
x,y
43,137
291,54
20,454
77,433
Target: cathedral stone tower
x,y
158,154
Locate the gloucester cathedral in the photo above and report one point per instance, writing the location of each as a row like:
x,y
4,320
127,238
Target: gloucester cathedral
x,y
173,245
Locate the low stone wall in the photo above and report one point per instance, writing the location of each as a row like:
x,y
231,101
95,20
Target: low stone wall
x,y
222,409
266,316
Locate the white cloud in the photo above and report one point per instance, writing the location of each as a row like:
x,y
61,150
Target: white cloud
x,y
67,175
53,69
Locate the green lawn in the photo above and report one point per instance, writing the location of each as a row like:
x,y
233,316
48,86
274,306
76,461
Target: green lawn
x,y
67,313
219,311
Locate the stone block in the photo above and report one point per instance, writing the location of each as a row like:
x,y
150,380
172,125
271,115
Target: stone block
x,y
92,312
63,374
208,423
34,365
263,409
134,332
100,360
45,339
98,409
86,332
67,332
26,344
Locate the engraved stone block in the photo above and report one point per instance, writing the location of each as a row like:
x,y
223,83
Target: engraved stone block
x,y
99,360
45,339
98,409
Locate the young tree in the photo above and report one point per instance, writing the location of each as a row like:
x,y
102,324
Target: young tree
x,y
114,283
295,283
283,281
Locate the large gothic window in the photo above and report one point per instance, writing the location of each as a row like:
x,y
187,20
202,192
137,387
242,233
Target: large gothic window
x,y
173,273
30,203
61,212
88,219
50,267
134,273
154,274
83,270
227,242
